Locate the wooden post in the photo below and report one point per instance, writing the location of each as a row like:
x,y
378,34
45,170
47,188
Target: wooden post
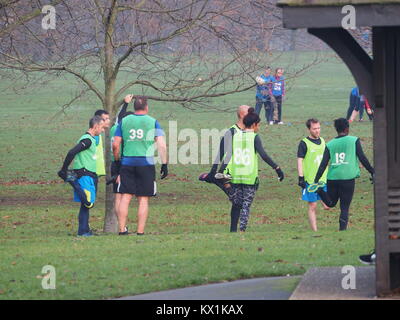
x,y
386,84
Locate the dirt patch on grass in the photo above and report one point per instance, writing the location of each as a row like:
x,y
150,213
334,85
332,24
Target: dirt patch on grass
x,y
12,201
25,182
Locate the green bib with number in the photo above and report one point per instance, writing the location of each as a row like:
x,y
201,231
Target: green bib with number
x,y
312,160
228,168
138,133
244,167
100,163
344,161
86,158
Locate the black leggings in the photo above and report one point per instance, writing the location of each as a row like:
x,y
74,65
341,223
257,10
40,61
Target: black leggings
x,y
343,190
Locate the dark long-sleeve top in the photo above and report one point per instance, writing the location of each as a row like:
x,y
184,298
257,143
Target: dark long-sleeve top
x,y
81,146
359,152
225,151
122,112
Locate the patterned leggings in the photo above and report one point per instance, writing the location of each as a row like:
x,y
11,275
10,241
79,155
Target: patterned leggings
x,y
242,196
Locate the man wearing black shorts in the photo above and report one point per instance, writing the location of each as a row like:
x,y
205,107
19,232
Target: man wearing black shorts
x,y
114,164
138,133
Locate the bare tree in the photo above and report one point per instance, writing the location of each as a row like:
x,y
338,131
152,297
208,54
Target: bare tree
x,y
179,51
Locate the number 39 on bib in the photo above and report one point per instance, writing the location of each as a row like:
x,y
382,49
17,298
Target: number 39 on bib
x,y
136,134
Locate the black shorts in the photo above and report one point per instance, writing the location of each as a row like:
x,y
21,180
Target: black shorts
x,y
140,181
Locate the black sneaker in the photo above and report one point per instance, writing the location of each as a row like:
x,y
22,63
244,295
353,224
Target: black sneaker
x,y
368,258
125,233
140,233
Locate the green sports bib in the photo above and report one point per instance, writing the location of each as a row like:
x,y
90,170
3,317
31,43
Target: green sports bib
x,y
229,165
100,163
86,158
344,161
244,167
312,160
138,133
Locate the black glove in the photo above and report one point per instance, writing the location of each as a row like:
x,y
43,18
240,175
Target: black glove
x,y
115,168
302,183
62,174
164,170
372,178
113,179
280,174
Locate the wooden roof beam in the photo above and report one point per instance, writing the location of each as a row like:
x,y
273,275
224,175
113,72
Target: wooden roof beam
x,y
355,57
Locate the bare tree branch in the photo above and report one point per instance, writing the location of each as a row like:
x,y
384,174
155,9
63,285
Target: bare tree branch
x,y
20,20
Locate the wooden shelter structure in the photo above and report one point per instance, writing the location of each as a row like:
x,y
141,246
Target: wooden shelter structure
x,y
378,77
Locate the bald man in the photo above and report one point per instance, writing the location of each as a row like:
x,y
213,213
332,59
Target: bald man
x,y
225,151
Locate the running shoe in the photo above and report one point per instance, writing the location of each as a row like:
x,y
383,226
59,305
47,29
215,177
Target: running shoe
x,y
315,186
87,234
222,176
368,258
203,176
125,233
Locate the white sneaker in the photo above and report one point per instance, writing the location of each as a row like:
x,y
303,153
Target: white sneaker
x,y
271,123
280,122
222,176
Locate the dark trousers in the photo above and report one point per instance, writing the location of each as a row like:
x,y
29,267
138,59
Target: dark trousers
x,y
342,190
268,107
241,196
83,216
83,219
349,112
235,211
278,105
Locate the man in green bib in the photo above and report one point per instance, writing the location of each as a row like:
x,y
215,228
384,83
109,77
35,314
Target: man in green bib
x,y
225,148
83,177
246,145
114,167
342,153
309,156
137,133
100,162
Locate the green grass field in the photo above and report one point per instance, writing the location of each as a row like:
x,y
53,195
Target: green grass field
x,y
188,240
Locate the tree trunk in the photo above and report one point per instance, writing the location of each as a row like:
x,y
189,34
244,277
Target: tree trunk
x,y
110,217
